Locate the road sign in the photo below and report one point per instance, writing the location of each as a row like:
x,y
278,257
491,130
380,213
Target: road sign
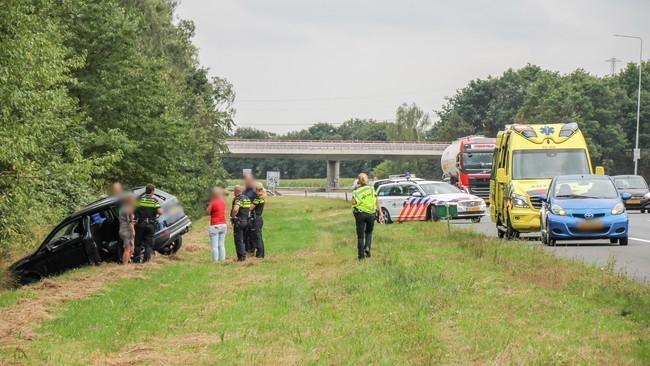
x,y
637,154
272,179
246,172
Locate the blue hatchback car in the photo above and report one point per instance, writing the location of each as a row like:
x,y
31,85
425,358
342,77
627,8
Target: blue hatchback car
x,y
579,207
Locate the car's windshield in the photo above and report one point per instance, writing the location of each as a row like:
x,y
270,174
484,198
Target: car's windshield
x,y
475,161
438,188
630,183
536,164
585,188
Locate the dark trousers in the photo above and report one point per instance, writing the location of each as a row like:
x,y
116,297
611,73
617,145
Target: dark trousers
x,y
365,224
240,229
249,238
258,239
144,241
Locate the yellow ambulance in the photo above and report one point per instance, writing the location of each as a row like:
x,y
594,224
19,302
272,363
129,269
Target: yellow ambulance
x,y
526,157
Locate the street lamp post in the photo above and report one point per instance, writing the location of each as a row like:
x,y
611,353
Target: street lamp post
x,y
637,153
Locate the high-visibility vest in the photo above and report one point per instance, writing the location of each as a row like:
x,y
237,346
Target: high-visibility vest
x,y
365,199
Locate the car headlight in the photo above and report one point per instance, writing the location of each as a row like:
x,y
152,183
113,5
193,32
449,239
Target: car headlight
x,y
618,209
519,200
557,210
647,196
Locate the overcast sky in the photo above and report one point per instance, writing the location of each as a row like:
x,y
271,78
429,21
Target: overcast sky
x,y
297,62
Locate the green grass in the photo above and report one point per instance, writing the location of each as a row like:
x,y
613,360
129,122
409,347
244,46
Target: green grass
x,y
425,297
302,183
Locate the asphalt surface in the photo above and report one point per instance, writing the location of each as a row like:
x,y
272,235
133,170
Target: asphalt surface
x,y
633,259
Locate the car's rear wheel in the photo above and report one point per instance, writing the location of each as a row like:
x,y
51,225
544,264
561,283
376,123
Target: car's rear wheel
x,y
386,215
476,219
622,241
172,247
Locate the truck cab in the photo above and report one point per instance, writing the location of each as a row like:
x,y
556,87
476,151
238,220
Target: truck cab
x,y
467,163
526,158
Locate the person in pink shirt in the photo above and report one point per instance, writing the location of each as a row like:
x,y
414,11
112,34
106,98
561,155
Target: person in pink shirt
x,y
218,228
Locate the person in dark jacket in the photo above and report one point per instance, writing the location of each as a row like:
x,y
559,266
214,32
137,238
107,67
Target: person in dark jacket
x,y
239,216
147,210
257,220
250,192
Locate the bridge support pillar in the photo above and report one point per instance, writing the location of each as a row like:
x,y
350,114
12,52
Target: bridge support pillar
x,y
333,168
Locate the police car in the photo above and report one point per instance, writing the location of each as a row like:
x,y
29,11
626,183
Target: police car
x,y
417,201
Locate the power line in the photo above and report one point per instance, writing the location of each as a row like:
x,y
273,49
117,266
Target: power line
x,y
308,124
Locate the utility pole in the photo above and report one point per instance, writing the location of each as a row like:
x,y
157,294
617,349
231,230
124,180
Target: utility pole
x,y
613,61
637,153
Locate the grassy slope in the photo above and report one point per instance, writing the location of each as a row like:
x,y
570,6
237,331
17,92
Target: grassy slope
x,y
303,183
424,298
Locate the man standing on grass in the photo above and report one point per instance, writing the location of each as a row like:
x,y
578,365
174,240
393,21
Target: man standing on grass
x,y
147,210
239,217
251,193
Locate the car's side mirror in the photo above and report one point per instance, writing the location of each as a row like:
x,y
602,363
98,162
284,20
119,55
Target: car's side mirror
x,y
600,170
501,175
626,196
416,194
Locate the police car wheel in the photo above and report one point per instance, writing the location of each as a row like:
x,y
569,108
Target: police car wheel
x,y
433,214
476,219
386,215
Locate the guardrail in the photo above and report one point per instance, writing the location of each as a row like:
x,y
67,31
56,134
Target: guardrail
x,y
334,145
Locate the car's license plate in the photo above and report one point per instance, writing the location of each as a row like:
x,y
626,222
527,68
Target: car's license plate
x,y
633,202
590,225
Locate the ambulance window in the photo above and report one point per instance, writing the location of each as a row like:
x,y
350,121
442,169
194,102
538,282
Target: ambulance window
x,y
495,163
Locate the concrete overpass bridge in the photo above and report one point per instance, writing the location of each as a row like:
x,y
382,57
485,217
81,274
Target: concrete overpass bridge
x,y
334,151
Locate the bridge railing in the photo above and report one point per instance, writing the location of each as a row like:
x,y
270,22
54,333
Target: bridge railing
x,y
336,144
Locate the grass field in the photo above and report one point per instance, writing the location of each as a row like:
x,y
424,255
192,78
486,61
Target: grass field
x,y
302,183
425,297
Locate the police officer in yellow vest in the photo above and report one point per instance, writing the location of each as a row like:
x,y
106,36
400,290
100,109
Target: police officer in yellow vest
x,y
364,207
239,216
147,210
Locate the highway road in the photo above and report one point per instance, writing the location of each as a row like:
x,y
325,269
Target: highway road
x,y
633,259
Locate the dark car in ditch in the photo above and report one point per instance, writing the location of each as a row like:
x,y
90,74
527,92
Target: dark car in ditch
x,y
91,235
637,187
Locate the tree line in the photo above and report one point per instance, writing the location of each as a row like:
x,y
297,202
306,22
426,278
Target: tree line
x,y
604,108
98,91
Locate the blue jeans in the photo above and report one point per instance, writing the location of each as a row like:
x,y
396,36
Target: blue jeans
x,y
218,241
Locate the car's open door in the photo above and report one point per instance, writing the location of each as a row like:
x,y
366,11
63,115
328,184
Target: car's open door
x,y
67,247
